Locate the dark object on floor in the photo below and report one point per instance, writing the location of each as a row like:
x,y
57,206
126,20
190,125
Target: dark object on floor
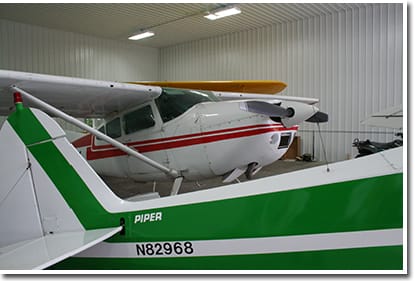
x,y
305,157
368,147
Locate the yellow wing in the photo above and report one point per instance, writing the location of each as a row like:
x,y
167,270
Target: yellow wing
x,y
240,86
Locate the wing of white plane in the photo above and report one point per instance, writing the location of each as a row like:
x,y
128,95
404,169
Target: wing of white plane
x,y
389,118
245,96
48,250
77,97
93,98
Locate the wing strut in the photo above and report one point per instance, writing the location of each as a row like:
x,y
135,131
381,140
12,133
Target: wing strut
x,y
54,111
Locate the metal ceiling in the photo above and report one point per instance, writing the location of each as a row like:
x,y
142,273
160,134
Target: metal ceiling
x,y
173,23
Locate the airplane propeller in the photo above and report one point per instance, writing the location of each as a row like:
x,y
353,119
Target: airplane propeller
x,y
288,115
265,108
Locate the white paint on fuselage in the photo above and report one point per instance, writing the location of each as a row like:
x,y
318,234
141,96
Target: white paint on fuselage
x,y
210,139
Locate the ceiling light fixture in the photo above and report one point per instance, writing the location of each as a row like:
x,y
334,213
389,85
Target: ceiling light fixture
x,y
223,12
141,35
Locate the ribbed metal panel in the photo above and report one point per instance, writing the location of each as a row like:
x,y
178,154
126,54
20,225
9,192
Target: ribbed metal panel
x,y
173,23
41,50
36,49
351,60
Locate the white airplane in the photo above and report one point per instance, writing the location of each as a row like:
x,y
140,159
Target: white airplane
x,y
190,134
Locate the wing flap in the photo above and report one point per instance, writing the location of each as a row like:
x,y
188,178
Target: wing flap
x,y
77,97
51,249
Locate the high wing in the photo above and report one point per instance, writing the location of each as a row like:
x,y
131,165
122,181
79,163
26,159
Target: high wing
x,y
240,86
77,97
93,98
48,250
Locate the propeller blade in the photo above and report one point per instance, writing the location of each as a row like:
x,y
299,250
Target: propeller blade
x,y
318,117
265,108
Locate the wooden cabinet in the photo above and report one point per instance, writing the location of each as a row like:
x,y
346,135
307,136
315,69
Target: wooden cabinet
x,y
294,150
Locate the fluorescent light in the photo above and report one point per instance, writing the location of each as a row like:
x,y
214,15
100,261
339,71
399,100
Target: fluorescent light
x,y
228,12
211,17
141,35
223,12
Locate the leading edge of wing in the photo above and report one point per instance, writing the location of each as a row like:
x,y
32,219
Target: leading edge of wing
x,y
48,250
76,96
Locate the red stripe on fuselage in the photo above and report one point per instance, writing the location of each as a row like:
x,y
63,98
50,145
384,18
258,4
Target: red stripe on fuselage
x,y
87,140
105,151
83,141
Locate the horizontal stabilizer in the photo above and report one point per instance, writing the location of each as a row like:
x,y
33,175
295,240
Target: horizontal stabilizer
x,y
50,249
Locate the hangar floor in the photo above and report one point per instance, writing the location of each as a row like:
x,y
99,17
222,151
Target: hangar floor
x,y
125,188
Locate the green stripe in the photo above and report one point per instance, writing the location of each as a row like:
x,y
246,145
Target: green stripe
x,y
376,258
76,193
365,204
27,126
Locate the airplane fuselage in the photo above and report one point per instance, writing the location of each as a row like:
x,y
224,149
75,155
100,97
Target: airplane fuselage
x,y
209,139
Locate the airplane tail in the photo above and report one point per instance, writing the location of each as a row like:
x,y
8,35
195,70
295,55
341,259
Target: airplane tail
x,y
44,194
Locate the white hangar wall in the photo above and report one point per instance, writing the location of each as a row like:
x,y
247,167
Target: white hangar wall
x,y
36,49
351,61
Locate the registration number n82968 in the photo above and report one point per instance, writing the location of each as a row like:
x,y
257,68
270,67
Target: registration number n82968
x,y
164,249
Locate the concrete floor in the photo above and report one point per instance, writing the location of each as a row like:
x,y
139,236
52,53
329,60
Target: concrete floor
x,y
125,188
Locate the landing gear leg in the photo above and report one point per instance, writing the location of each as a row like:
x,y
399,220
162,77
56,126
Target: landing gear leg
x,y
176,186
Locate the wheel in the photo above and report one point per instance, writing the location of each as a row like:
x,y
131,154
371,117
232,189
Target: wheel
x,y
251,170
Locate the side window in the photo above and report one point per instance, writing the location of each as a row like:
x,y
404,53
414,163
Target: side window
x,y
139,119
102,129
113,128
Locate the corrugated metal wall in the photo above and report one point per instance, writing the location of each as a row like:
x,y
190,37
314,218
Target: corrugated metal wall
x,y
35,49
351,61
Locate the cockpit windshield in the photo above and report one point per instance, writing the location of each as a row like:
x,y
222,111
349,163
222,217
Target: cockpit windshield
x,y
174,102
